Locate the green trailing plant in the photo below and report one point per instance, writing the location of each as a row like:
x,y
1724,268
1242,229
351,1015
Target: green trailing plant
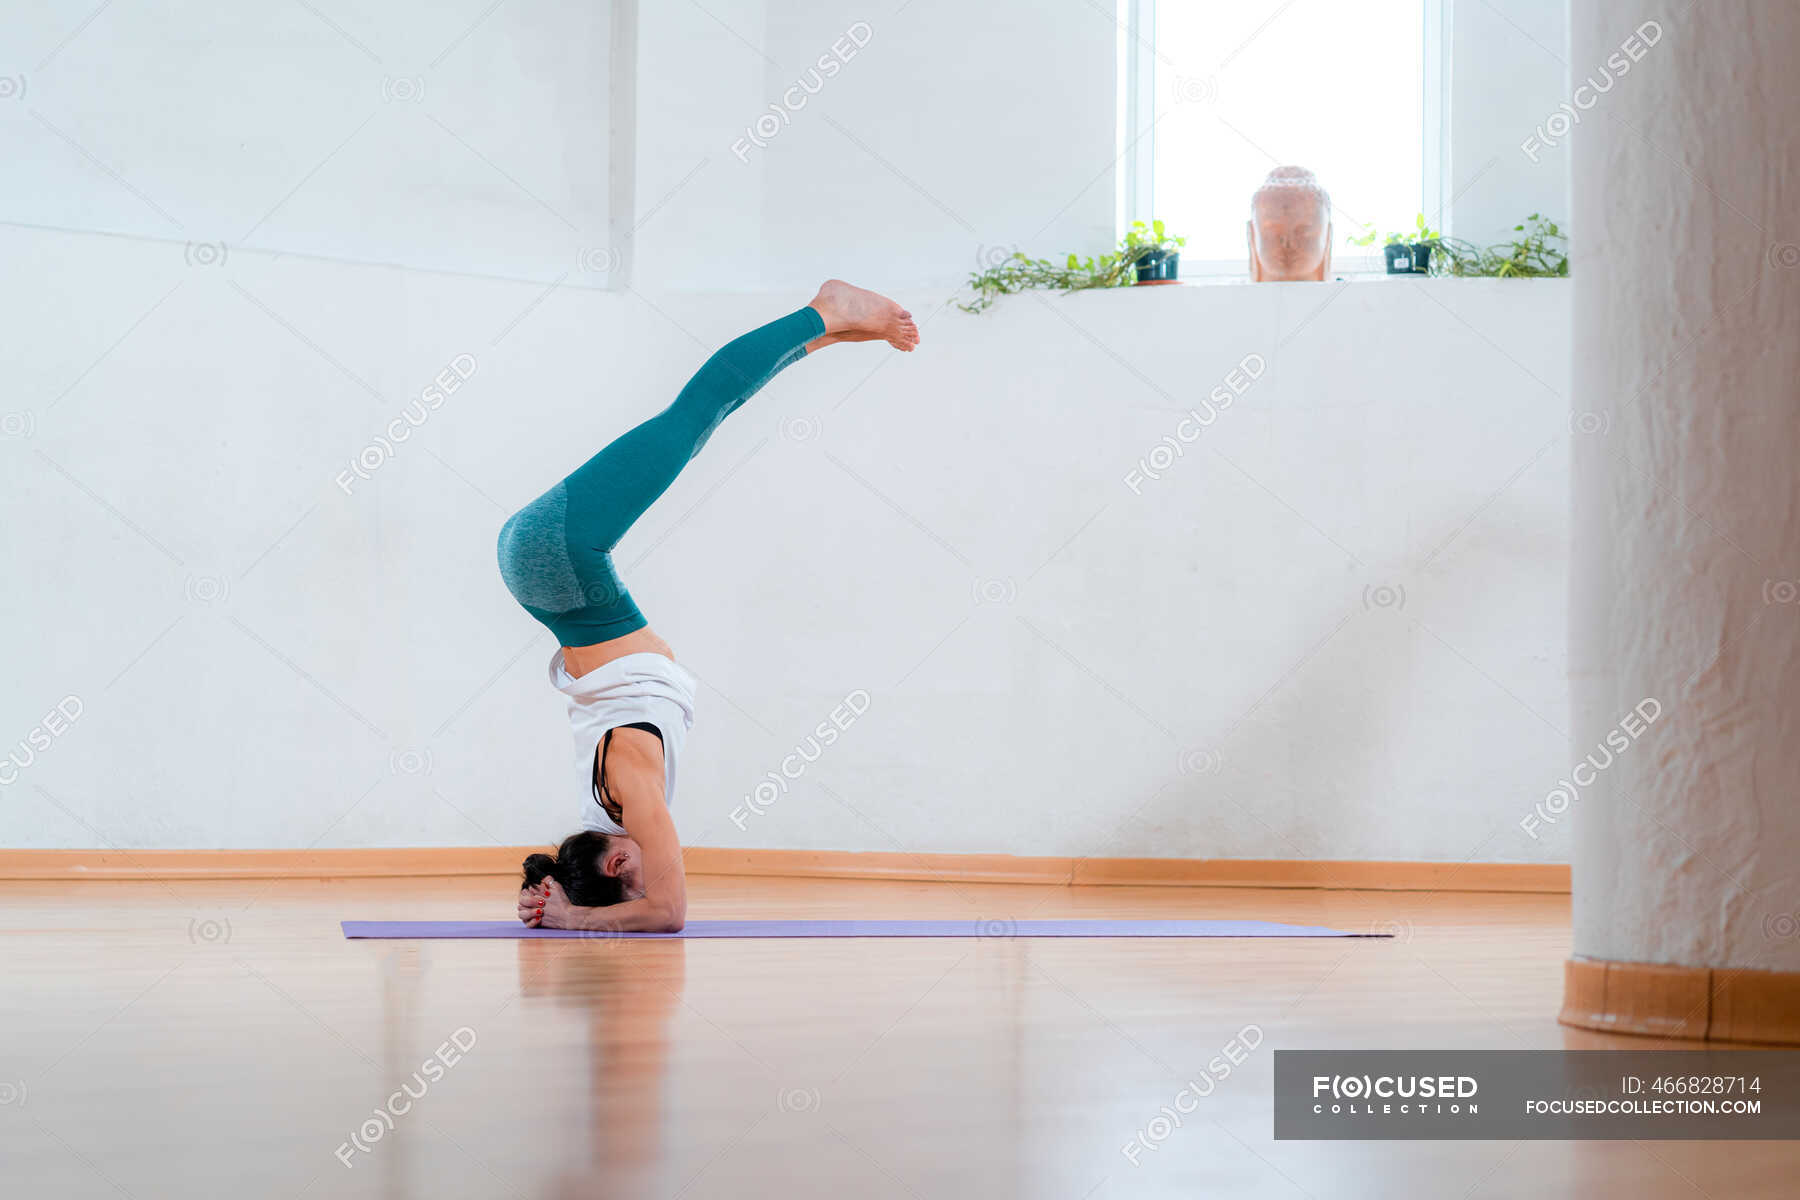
x,y
1019,272
1540,251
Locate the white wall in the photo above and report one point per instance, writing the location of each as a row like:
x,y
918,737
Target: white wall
x,y
1222,665
404,134
1509,71
954,127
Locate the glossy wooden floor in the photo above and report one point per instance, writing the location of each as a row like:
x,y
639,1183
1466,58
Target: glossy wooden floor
x,y
203,1039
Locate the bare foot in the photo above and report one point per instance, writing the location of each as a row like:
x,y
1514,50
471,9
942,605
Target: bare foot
x,y
854,314
832,339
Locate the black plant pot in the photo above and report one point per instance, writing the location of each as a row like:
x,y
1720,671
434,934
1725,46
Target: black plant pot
x,y
1403,259
1159,266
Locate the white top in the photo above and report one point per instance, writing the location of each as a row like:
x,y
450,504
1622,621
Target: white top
x,y
634,687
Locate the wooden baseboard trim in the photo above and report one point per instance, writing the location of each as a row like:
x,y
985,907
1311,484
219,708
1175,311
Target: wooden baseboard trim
x,y
1716,1004
1137,872
817,864
360,863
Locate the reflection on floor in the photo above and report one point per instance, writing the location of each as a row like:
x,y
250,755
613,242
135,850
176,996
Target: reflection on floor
x,y
201,1039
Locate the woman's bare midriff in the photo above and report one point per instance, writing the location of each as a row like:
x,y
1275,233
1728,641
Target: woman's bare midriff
x,y
579,660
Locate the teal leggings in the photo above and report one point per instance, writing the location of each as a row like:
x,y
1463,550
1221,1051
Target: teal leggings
x,y
556,552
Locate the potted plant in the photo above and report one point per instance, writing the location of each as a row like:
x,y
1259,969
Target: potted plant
x,y
1155,254
1406,253
1146,254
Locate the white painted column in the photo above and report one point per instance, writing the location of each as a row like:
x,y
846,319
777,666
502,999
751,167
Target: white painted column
x,y
1686,540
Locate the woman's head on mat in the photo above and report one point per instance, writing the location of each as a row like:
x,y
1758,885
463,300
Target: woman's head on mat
x,y
594,869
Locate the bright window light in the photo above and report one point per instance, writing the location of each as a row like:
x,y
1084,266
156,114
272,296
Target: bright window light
x,y
1250,85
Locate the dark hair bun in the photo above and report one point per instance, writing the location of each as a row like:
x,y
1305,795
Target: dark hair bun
x,y
577,866
538,867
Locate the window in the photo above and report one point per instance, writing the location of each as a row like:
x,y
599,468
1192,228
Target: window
x,y
1216,94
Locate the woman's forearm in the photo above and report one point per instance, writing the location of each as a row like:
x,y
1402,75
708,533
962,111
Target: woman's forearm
x,y
643,915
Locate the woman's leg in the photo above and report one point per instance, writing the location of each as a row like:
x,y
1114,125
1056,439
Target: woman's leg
x,y
556,554
609,492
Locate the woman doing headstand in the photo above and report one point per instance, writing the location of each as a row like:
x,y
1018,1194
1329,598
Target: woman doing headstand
x,y
630,704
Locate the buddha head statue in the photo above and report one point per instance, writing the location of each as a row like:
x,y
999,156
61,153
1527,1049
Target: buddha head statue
x,y
1289,228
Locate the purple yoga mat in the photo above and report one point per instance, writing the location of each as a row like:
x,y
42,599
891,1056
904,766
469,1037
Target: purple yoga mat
x,y
992,929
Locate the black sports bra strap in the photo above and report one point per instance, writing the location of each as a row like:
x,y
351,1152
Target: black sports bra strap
x,y
602,796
